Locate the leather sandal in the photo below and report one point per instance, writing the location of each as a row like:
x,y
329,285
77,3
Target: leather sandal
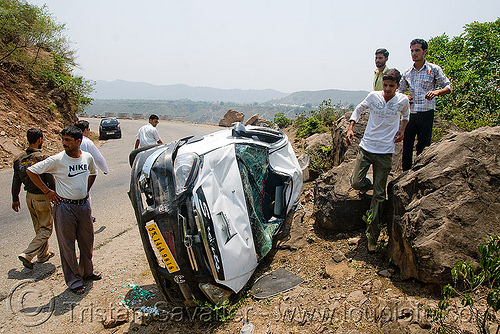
x,y
94,277
79,290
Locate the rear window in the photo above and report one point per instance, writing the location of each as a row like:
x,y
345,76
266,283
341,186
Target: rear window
x,y
109,122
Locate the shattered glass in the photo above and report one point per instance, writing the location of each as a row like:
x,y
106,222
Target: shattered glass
x,y
253,164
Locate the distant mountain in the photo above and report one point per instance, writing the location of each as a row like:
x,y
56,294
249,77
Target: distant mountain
x,y
315,98
121,89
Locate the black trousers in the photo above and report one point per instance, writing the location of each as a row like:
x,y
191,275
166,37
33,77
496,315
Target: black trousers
x,y
420,125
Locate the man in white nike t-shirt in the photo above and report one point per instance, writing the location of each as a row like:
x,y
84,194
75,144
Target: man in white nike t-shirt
x,y
74,172
389,114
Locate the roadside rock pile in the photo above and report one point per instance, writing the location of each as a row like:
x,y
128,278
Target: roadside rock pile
x,y
231,117
446,205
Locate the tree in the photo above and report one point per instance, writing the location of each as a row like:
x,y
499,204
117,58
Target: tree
x,y
472,63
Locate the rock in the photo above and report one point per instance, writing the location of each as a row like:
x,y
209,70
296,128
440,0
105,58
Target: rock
x,y
353,241
446,205
338,256
253,119
142,318
262,122
231,117
110,320
294,235
386,273
10,146
355,296
248,328
337,206
318,140
338,270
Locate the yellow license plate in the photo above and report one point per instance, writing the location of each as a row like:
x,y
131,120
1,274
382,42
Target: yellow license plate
x,y
161,245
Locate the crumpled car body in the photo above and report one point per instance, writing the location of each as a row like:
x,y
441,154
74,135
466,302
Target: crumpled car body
x,y
209,207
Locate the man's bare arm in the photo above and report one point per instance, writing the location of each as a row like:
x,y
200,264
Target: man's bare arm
x,y
37,180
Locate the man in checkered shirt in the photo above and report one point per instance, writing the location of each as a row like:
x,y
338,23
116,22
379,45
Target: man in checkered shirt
x,y
421,81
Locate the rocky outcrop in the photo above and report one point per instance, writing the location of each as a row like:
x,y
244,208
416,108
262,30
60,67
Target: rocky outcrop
x,y
231,117
446,205
337,206
252,120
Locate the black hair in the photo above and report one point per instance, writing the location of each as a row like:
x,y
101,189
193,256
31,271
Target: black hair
x,y
33,134
421,42
382,51
392,74
82,124
153,116
72,131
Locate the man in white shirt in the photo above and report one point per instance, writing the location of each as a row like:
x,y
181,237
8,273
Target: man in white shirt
x,y
88,145
74,172
389,114
148,135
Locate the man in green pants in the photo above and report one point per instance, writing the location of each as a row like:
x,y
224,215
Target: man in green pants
x,y
389,114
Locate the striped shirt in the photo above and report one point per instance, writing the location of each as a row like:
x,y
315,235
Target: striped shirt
x,y
418,83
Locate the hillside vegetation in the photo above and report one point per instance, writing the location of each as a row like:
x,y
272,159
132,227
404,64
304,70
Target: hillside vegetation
x,y
37,88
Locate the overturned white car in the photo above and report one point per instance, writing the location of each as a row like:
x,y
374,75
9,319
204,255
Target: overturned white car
x,y
209,207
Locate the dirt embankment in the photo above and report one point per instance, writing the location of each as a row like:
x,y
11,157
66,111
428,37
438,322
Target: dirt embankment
x,y
27,102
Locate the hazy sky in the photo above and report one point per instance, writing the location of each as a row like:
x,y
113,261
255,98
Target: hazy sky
x,y
287,45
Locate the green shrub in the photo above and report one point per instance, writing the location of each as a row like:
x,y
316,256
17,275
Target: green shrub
x,y
471,284
320,159
318,121
282,121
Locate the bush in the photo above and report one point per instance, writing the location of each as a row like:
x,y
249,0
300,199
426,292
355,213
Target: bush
x,y
472,63
282,121
318,121
469,282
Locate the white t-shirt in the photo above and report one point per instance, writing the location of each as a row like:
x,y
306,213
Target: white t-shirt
x,y
148,135
71,174
383,122
88,145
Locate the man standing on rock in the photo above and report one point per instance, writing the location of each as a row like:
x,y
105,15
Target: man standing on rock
x,y
381,57
148,135
38,204
421,81
74,172
386,126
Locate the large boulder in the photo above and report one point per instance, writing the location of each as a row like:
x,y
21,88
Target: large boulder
x,y
445,205
231,117
252,120
337,206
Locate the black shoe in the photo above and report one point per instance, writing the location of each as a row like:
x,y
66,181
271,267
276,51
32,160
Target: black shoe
x,y
26,262
51,255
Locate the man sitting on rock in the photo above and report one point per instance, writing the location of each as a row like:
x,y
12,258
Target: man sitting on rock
x,y
389,114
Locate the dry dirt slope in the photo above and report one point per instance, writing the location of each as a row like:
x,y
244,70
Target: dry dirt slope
x,y
24,103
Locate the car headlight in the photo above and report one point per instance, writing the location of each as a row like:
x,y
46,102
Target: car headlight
x,y
185,169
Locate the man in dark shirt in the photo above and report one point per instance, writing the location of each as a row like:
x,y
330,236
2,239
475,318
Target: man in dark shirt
x,y
38,204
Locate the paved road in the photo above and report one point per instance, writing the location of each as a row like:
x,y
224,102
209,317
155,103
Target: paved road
x,y
110,202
